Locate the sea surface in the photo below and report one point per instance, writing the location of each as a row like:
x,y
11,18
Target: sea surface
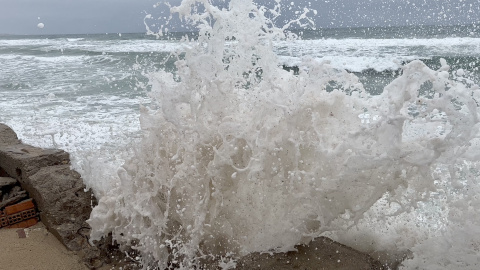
x,y
358,140
82,92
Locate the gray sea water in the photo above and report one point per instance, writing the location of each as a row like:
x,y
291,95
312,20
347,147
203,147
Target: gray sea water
x,y
83,92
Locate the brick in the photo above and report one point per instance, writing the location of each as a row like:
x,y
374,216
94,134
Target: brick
x,y
25,223
15,218
3,221
19,207
28,213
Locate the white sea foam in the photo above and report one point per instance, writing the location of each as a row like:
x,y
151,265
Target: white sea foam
x,y
128,46
77,126
352,54
113,46
48,59
356,64
239,155
357,55
75,39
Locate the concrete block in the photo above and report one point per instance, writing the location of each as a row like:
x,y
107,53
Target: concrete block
x,y
21,161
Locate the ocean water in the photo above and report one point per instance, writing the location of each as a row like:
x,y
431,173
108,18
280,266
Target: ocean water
x,y
227,141
82,92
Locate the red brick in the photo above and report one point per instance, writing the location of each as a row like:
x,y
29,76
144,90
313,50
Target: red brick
x,y
3,221
28,213
19,207
15,218
25,224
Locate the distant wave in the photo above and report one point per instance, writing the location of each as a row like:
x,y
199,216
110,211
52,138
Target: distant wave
x,y
358,55
75,39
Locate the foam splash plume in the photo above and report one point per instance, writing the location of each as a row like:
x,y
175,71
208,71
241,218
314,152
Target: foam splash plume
x,y
239,155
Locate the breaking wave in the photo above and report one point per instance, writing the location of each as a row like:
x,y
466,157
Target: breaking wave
x,y
239,155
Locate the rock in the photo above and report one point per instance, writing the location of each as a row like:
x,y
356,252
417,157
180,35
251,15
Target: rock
x,y
7,135
321,254
21,160
7,181
3,173
10,192
13,199
64,205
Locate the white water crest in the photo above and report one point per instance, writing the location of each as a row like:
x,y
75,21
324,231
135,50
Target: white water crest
x,y
239,155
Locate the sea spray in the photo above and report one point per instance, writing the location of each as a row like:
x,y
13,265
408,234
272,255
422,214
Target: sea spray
x,y
239,155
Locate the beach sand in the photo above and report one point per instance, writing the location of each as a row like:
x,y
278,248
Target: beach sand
x,y
39,250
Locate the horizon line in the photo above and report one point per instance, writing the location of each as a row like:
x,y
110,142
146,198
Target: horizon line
x,y
298,29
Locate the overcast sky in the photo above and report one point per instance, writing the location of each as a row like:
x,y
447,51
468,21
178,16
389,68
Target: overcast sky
x,y
126,16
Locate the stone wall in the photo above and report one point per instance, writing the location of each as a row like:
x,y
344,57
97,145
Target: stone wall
x,y
58,191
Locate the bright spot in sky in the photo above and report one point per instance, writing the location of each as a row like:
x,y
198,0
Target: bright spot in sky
x,y
40,25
